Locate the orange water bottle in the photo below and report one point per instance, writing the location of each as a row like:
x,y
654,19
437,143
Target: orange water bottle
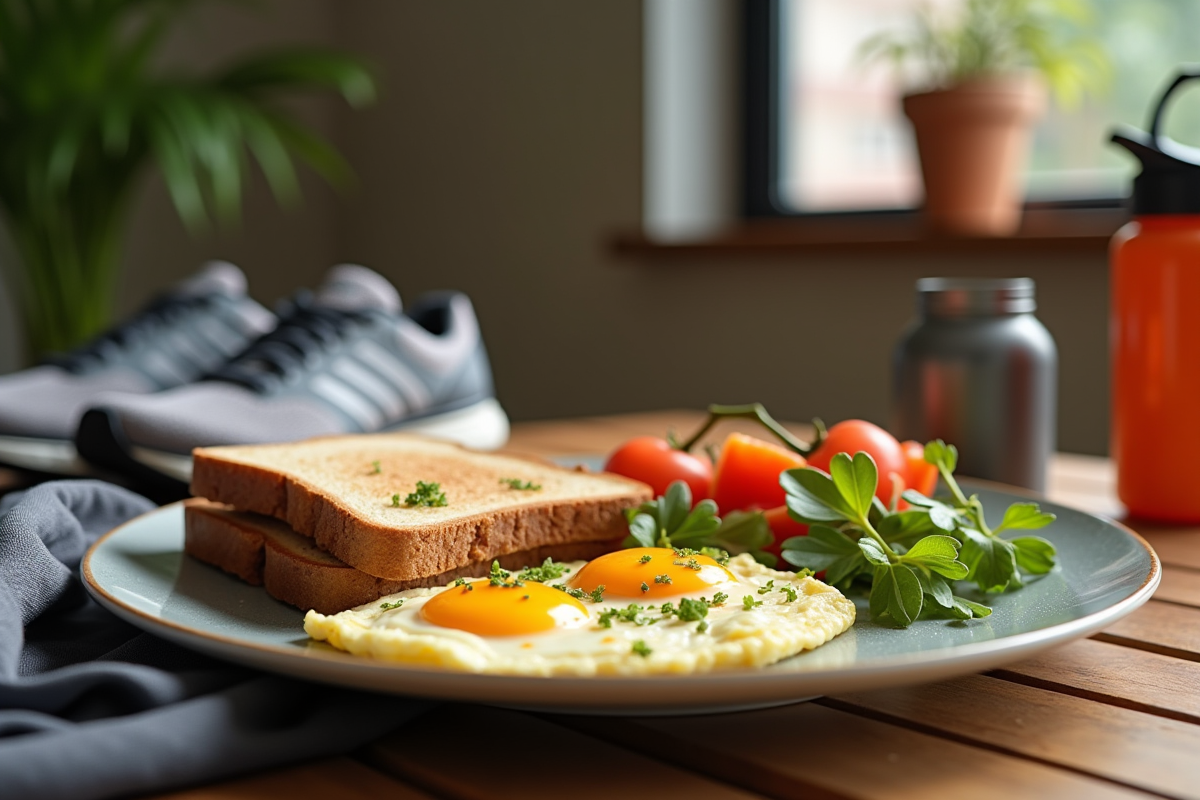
x,y
1155,328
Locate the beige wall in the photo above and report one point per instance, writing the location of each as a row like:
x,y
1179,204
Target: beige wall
x,y
505,152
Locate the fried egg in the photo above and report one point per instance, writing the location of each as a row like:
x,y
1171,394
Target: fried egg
x,y
640,611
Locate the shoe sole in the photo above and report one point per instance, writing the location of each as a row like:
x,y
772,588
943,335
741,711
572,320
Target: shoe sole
x,y
54,456
482,426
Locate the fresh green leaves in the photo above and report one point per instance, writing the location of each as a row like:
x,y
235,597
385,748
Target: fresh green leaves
x,y
1026,516
670,521
909,558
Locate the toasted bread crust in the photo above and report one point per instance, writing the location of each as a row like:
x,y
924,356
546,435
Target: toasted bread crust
x,y
298,492
263,552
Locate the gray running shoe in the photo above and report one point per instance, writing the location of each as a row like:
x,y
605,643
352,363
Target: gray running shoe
x,y
183,334
343,360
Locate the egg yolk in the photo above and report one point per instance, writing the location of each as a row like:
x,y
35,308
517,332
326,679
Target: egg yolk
x,y
486,610
650,572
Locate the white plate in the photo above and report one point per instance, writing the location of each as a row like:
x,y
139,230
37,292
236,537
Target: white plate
x,y
139,572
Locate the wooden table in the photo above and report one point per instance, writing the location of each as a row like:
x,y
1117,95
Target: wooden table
x,y
1116,715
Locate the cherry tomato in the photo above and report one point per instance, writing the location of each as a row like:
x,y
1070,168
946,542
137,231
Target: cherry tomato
x,y
652,460
784,527
854,435
922,476
747,473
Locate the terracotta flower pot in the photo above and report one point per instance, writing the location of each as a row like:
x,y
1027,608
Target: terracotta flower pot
x,y
973,140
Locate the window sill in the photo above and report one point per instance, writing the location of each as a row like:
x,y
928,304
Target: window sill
x,y
1075,230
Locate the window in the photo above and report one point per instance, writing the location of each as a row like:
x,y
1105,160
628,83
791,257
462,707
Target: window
x,y
824,133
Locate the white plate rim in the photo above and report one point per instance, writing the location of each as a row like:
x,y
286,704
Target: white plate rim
x,y
701,693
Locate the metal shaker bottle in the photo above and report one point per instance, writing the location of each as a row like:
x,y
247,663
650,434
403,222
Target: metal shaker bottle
x,y
978,370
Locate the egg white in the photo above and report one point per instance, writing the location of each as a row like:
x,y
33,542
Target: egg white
x,y
735,637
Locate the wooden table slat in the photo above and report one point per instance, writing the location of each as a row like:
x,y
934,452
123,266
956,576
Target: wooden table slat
x,y
1116,675
342,778
810,751
1127,747
476,752
1180,585
1166,628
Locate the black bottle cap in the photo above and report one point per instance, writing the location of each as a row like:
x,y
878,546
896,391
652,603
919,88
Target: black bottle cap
x,y
1169,182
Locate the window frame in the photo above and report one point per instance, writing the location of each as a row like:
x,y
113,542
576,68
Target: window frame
x,y
761,108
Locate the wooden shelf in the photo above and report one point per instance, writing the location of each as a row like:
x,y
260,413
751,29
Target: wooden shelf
x,y
903,233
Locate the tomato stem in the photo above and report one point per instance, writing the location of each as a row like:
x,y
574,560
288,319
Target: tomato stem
x,y
755,411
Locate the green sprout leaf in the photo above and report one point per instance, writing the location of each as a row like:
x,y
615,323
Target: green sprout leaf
x,y
991,561
1025,516
1034,554
855,479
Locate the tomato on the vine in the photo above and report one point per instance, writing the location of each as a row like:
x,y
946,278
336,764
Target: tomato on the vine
x,y
747,473
922,476
854,435
654,461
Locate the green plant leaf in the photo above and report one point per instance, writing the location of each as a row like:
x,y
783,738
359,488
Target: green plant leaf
x,y
935,586
644,529
812,497
991,561
896,595
855,480
873,552
939,554
1034,554
944,456
1025,516
821,548
905,527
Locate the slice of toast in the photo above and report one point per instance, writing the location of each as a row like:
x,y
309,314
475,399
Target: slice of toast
x,y
264,552
347,493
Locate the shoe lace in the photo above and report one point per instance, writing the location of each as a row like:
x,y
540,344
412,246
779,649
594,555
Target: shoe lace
x,y
109,346
304,330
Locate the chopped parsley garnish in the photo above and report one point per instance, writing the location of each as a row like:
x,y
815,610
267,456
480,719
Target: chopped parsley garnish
x,y
645,588
790,592
640,648
520,485
685,551
500,577
395,501
664,578
702,627
719,598
427,495
691,563
578,594
387,606
770,585
376,468
597,594
463,583
645,559
716,554
631,613
692,610
748,602
548,571
526,597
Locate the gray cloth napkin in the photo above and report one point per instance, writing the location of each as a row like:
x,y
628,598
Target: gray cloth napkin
x,y
91,707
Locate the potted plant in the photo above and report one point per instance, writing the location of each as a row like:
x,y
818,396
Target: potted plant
x,y
84,111
983,68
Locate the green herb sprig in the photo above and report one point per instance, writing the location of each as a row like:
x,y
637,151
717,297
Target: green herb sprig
x,y
548,571
520,485
427,495
670,521
910,557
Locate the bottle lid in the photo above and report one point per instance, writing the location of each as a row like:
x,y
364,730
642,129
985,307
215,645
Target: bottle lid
x,y
975,297
1169,182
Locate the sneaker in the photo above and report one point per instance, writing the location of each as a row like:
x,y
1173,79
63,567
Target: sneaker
x,y
346,359
180,336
